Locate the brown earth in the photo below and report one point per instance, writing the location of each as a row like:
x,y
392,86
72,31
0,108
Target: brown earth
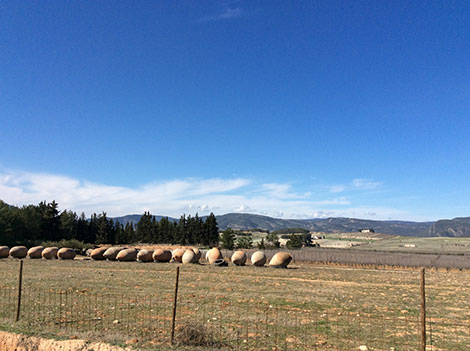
x,y
18,342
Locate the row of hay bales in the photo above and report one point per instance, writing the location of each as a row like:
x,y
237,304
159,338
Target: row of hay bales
x,y
35,252
258,258
186,256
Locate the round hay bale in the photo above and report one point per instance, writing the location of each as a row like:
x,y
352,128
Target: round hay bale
x,y
35,252
66,253
280,260
188,256
4,251
160,255
177,255
127,255
239,258
98,253
111,253
258,259
145,256
213,255
18,252
50,253
197,254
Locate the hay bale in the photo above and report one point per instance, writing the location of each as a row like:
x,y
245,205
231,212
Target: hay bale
x,y
258,259
4,251
177,255
160,255
145,256
188,256
50,253
239,258
18,252
35,252
197,255
280,260
213,255
111,253
127,255
98,253
66,253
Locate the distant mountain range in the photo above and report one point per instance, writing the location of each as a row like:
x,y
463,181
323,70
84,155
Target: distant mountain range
x,y
453,227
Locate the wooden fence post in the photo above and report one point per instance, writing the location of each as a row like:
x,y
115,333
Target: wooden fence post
x,y
423,311
175,301
20,285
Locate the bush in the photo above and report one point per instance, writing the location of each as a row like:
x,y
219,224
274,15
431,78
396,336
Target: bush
x,y
295,242
244,242
195,335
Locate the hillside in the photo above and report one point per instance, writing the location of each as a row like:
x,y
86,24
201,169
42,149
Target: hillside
x,y
451,227
328,225
134,218
457,227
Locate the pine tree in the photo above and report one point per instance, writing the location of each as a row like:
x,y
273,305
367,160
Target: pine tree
x,y
144,228
228,239
211,232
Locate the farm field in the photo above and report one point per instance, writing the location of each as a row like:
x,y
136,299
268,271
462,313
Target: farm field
x,y
439,245
304,307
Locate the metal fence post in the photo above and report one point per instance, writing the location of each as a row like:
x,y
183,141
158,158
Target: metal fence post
x,y
423,311
173,319
20,285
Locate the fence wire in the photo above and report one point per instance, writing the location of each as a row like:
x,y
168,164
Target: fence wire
x,y
231,322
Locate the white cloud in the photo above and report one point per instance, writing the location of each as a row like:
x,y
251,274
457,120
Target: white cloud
x,y
282,191
178,196
228,13
356,184
365,184
337,188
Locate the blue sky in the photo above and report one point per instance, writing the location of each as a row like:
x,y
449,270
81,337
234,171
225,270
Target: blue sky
x,y
291,109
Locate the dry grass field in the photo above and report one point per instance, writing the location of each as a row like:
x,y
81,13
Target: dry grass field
x,y
304,307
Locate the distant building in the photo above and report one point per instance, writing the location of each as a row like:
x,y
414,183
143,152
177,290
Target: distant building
x,y
367,230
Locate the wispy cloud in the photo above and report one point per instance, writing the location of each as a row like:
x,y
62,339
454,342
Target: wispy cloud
x,y
282,191
227,14
177,196
365,184
356,184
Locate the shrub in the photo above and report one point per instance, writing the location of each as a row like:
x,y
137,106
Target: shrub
x,y
295,242
244,242
195,335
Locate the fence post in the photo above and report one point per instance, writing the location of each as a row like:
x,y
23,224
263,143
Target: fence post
x,y
423,311
20,285
173,319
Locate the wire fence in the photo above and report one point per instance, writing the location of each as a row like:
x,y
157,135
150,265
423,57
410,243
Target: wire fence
x,y
225,323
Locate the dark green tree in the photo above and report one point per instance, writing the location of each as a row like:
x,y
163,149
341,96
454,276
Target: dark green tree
x,y
228,239
272,240
244,242
211,231
295,242
144,228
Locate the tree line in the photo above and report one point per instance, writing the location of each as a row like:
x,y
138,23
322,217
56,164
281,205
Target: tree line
x,y
32,224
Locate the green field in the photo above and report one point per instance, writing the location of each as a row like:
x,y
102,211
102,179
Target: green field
x,y
302,308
